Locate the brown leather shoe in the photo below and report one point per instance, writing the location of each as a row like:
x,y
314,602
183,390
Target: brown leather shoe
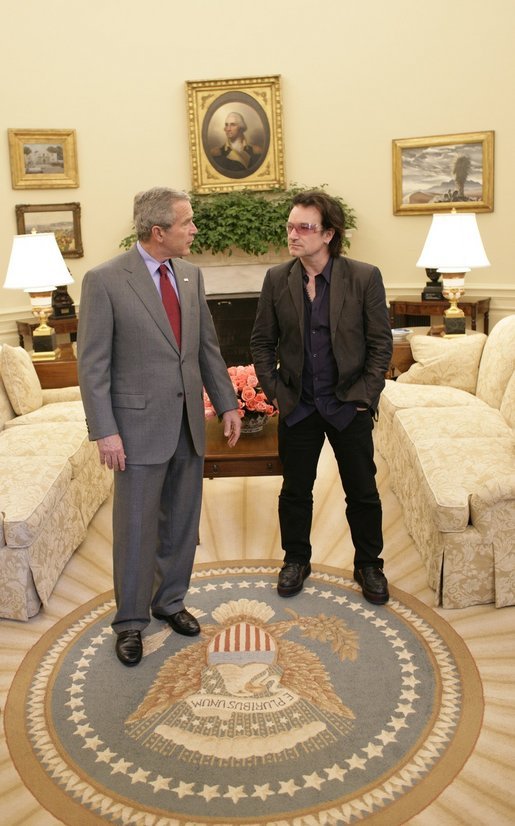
x,y
373,584
291,578
129,648
182,622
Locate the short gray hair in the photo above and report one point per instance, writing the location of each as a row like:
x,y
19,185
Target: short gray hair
x,y
155,207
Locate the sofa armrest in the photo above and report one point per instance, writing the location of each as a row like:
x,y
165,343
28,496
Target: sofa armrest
x,y
61,394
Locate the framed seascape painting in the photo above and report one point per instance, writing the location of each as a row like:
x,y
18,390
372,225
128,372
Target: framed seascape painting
x,y
43,158
235,130
437,173
61,219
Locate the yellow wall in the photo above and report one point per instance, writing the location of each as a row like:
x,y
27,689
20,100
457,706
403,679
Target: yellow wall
x,y
355,75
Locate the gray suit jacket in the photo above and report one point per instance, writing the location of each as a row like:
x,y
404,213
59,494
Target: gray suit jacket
x,y
133,378
360,333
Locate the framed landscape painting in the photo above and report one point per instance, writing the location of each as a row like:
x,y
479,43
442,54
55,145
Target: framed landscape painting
x,y
61,219
235,129
43,158
438,173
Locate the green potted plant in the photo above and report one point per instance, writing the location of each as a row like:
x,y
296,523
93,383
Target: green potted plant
x,y
246,221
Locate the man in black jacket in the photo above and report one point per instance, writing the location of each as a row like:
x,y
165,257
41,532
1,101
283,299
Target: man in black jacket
x,y
321,345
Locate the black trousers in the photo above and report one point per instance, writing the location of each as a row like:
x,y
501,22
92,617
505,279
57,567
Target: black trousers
x,y
299,450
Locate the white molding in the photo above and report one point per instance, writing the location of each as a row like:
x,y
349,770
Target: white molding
x,y
8,332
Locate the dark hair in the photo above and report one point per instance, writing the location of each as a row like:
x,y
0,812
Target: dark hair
x,y
331,214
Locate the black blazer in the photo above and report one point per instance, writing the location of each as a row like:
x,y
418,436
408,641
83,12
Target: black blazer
x,y
360,333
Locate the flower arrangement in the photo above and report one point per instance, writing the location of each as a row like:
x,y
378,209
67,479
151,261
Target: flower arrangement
x,y
252,401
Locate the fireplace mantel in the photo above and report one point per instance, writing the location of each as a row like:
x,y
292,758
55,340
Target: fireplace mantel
x,y
234,279
235,273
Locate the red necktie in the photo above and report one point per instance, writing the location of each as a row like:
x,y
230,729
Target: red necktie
x,y
171,303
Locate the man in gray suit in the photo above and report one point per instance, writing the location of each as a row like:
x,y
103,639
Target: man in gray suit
x,y
146,349
321,345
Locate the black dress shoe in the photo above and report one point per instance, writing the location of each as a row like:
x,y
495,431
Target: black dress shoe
x,y
183,622
373,584
129,648
291,578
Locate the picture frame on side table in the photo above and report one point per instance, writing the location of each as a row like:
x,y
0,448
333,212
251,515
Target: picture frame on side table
x,y
61,219
236,135
43,158
438,173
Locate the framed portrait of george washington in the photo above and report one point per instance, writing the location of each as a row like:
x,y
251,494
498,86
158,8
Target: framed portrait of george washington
x,y
235,131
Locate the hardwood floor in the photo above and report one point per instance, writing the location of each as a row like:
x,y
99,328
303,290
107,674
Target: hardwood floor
x,y
239,521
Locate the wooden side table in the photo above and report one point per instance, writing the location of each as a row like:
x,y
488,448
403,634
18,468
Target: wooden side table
x,y
405,306
402,359
254,455
62,372
26,327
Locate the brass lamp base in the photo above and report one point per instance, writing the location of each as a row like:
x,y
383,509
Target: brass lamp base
x,y
453,317
47,355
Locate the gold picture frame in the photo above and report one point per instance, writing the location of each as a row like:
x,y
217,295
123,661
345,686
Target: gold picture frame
x,y
43,158
61,219
444,171
255,104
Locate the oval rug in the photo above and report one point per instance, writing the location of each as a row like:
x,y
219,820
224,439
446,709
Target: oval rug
x,y
313,710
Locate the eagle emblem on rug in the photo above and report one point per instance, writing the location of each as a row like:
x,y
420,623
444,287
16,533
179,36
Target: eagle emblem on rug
x,y
244,693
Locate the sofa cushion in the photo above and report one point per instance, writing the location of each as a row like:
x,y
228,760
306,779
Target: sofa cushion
x,y
67,441
397,396
497,362
52,395
20,379
29,492
452,362
6,408
455,423
58,412
508,403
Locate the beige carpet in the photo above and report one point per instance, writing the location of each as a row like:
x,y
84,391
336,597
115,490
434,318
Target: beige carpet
x,y
239,522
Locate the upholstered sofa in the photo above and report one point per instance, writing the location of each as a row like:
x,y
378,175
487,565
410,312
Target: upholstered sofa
x,y
51,483
446,428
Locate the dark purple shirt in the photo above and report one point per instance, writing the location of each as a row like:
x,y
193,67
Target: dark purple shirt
x,y
320,372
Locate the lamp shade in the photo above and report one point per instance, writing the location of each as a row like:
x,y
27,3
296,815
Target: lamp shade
x,y
453,244
36,263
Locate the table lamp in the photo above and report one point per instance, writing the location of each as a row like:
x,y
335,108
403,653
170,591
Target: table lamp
x,y
37,266
453,247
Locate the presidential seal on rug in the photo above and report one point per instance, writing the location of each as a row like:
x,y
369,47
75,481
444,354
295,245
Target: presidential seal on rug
x,y
319,709
247,694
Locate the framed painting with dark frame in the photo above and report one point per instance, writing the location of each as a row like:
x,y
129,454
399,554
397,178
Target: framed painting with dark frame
x,y
444,171
235,129
43,158
61,219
